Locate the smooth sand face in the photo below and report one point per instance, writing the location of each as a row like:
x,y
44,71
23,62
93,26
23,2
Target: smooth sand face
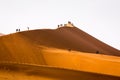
x,y
55,49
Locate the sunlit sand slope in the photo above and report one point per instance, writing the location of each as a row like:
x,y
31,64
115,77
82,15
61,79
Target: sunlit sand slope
x,y
16,48
34,72
83,61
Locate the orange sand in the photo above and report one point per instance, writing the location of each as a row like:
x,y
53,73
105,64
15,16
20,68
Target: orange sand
x,y
49,48
34,72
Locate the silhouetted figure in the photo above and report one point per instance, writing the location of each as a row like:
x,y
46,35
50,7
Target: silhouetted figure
x,y
69,22
19,30
16,30
28,28
97,52
58,26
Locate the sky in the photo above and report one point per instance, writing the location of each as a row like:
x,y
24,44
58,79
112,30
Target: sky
x,y
99,18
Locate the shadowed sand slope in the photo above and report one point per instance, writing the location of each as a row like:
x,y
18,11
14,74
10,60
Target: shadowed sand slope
x,y
69,38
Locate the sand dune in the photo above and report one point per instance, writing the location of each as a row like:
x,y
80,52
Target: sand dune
x,y
49,48
82,61
34,72
69,37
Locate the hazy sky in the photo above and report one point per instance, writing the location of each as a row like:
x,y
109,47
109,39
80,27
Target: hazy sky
x,y
100,18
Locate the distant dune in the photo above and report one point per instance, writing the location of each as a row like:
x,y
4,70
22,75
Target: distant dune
x,y
66,48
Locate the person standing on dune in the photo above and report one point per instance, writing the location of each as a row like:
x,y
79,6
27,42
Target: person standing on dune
x,y
28,28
